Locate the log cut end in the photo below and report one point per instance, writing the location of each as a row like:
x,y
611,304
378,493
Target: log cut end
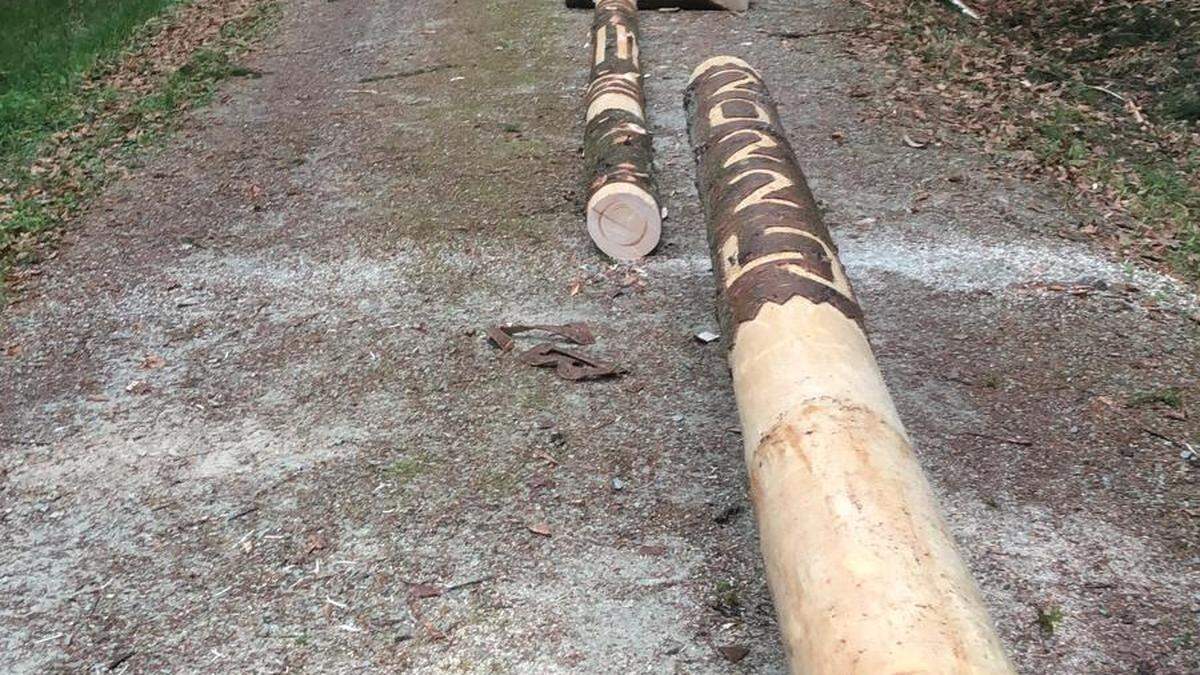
x,y
624,221
718,61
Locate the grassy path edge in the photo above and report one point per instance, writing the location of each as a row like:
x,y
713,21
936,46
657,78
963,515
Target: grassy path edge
x,y
127,104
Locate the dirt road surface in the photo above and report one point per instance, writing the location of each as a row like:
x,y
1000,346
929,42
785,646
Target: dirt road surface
x,y
248,416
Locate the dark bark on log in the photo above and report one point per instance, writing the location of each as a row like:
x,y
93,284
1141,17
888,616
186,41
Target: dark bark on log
x,y
768,240
623,211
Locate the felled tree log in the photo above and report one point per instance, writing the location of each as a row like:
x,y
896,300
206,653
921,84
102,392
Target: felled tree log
x,y
864,574
623,215
729,5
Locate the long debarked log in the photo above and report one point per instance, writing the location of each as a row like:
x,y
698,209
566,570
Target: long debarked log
x,y
864,574
728,5
623,215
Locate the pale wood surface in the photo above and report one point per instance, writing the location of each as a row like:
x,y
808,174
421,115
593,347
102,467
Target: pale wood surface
x,y
864,574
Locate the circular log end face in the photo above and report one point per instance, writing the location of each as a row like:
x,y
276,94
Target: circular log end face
x,y
624,221
718,61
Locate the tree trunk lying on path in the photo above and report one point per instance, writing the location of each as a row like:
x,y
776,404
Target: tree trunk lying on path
x,y
864,574
623,215
729,5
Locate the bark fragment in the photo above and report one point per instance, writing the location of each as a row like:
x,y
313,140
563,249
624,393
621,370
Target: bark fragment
x,y
568,364
503,334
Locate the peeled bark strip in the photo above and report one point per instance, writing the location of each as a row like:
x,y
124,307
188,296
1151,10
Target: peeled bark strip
x,y
863,571
623,214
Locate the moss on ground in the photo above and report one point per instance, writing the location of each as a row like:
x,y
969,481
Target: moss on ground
x,y
474,175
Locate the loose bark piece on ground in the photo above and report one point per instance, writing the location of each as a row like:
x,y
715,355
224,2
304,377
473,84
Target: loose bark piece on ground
x,y
120,659
468,584
425,591
623,215
567,364
1163,437
502,335
733,653
863,571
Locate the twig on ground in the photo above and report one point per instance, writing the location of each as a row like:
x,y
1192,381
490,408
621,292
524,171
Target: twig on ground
x,y
89,589
794,35
1110,92
999,439
406,73
246,511
95,603
121,658
1164,437
468,584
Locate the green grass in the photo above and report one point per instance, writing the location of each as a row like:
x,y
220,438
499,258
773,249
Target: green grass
x,y
1169,396
726,599
1048,619
54,82
46,47
1158,191
402,471
1061,137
